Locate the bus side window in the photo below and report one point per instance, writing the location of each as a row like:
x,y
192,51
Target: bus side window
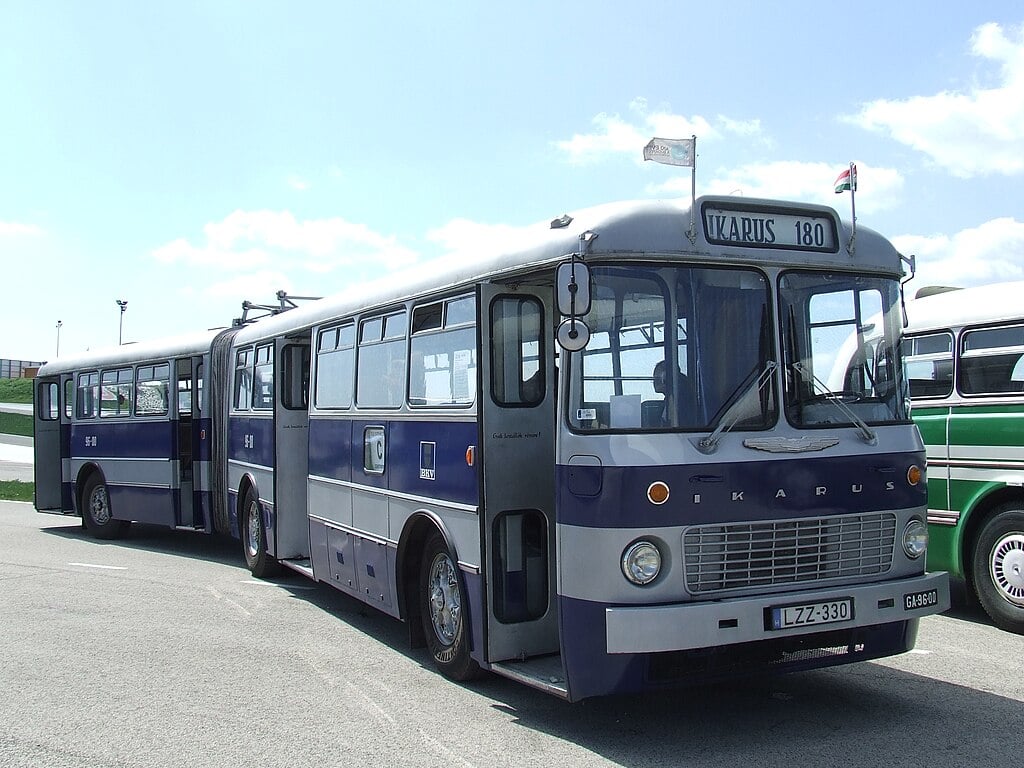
x,y
518,375
243,380
989,360
295,361
929,361
380,365
69,397
263,379
47,399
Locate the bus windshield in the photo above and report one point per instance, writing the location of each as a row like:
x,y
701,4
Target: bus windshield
x,y
673,348
841,341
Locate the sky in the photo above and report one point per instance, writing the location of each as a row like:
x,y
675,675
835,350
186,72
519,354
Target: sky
x,y
183,157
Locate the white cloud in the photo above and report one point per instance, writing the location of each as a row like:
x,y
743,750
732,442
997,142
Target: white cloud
x,y
258,286
247,239
465,236
14,228
298,183
990,252
977,132
877,188
615,135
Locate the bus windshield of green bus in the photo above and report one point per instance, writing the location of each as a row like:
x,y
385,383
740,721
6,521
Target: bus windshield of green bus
x,y
673,348
841,349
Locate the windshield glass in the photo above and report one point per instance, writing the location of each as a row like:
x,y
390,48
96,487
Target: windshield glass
x,y
841,336
672,348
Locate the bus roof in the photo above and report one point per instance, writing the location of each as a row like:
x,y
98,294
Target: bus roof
x,y
126,354
994,303
628,229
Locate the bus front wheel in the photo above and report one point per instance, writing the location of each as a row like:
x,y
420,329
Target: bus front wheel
x,y
253,534
96,513
442,608
998,568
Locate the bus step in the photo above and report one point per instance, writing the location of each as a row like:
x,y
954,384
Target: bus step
x,y
302,565
543,672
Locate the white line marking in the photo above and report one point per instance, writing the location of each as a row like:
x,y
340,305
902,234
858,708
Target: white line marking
x,y
272,584
104,567
920,651
240,608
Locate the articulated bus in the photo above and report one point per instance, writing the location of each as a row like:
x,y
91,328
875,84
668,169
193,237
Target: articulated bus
x,y
602,461
965,359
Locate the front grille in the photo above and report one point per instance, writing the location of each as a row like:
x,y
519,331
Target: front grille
x,y
744,555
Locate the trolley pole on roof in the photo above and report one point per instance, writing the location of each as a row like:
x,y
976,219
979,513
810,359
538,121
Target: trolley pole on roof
x,y
59,324
120,325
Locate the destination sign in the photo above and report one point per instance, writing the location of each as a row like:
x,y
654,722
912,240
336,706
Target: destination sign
x,y
763,228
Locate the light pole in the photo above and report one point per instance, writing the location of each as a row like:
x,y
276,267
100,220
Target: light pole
x,y
59,324
120,325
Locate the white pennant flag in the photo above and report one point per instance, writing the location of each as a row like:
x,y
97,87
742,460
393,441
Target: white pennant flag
x,y
670,151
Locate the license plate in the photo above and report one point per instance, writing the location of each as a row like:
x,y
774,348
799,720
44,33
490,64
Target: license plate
x,y
811,614
925,599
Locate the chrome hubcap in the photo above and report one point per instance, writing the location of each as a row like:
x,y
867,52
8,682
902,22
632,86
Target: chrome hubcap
x,y
99,505
253,529
445,601
1007,567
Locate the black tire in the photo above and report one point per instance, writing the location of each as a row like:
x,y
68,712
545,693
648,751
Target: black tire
x,y
997,567
253,535
97,516
442,609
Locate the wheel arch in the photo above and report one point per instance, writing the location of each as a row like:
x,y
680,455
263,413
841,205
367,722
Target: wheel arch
x,y
978,512
246,484
417,530
85,473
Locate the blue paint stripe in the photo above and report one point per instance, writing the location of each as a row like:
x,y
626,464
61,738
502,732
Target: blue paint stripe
x,y
616,497
336,452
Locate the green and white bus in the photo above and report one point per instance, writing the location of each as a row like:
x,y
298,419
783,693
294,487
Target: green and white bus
x,y
964,350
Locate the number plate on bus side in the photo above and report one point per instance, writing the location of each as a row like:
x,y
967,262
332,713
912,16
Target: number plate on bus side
x,y
810,614
913,600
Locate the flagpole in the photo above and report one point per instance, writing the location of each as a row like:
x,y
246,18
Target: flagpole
x,y
693,192
853,207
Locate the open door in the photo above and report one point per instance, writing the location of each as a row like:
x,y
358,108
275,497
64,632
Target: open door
x,y
291,452
518,449
49,420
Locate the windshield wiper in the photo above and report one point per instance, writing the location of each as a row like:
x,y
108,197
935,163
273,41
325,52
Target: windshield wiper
x,y
866,432
738,409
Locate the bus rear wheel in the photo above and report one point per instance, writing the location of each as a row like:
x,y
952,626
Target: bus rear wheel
x,y
442,608
96,512
253,534
998,568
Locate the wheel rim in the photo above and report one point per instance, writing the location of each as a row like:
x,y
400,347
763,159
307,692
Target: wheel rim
x,y
445,600
99,505
1007,568
254,529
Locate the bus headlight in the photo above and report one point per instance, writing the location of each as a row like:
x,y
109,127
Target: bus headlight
x,y
641,562
915,539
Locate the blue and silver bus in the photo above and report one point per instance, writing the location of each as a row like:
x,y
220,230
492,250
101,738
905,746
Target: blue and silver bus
x,y
608,459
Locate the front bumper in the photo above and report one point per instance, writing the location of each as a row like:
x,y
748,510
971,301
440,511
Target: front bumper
x,y
687,626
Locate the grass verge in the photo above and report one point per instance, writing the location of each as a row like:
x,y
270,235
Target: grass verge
x,y
16,424
15,490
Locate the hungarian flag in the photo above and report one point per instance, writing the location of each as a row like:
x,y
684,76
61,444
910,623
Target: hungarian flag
x,y
847,180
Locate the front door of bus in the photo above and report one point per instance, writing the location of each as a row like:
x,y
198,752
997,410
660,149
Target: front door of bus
x,y
518,448
49,416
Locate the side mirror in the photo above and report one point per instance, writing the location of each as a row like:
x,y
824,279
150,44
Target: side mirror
x,y
573,334
573,286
